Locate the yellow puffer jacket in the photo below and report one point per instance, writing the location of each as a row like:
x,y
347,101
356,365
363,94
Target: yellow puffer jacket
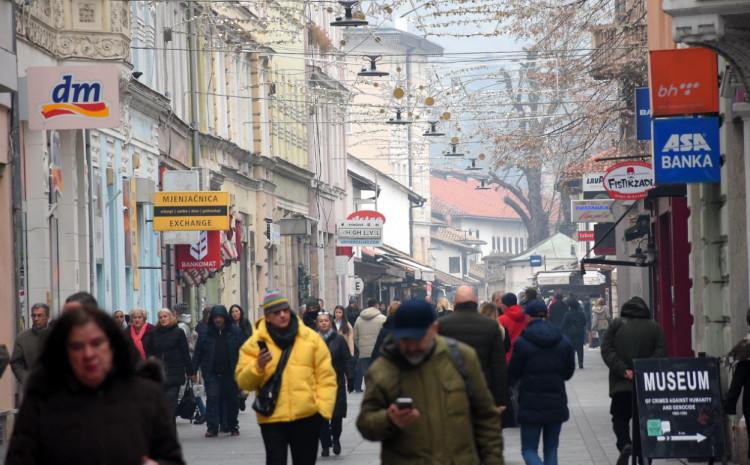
x,y
308,385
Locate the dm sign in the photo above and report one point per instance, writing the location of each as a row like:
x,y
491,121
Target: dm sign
x,y
73,97
679,407
686,150
191,211
629,180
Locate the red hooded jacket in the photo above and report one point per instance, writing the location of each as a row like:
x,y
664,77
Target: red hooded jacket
x,y
514,321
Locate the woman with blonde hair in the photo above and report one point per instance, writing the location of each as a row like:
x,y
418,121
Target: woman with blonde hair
x,y
443,307
139,331
600,318
168,344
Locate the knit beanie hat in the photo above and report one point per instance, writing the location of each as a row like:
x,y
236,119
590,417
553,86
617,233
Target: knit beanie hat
x,y
273,301
536,309
312,302
509,299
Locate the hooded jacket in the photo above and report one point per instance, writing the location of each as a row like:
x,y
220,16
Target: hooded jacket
x,y
70,424
542,361
514,321
205,348
308,384
633,335
574,324
169,345
366,330
557,311
446,435
600,317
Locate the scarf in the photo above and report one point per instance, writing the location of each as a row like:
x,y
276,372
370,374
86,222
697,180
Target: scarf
x,y
284,337
138,339
327,335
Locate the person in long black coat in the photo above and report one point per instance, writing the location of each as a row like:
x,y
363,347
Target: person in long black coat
x,y
168,344
573,327
330,431
86,403
740,356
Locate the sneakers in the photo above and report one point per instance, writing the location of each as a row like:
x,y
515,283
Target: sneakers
x,y
625,454
325,453
337,447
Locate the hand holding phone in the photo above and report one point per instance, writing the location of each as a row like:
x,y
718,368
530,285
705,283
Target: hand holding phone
x,y
262,344
402,412
404,403
264,356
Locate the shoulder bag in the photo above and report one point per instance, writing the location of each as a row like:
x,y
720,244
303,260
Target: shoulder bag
x,y
266,398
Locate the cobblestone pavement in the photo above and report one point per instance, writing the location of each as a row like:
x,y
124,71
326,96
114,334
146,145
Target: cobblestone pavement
x,y
587,439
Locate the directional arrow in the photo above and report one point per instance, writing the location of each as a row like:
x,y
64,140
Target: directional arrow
x,y
696,437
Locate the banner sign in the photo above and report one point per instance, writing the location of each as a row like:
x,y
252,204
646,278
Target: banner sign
x,y
191,211
629,180
366,215
679,407
360,233
686,150
585,236
642,113
593,182
684,81
591,211
203,255
73,97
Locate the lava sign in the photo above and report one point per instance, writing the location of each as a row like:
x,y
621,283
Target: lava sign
x,y
629,180
679,407
686,150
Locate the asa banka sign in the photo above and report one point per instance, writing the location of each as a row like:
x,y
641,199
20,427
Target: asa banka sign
x,y
679,407
686,150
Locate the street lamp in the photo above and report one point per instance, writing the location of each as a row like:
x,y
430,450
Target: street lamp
x,y
433,130
482,185
398,119
373,71
473,166
348,19
453,152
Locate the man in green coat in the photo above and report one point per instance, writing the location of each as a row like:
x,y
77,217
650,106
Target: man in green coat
x,y
442,417
633,335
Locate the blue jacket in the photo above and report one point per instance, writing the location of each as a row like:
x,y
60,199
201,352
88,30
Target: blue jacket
x,y
543,359
203,357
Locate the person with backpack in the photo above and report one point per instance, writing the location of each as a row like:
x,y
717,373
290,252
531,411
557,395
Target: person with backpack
x,y
574,327
289,367
426,399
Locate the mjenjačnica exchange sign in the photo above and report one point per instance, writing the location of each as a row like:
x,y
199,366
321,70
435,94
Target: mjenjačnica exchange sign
x,y
191,211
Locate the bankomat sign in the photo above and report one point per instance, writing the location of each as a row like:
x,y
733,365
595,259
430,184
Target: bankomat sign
x,y
686,150
73,97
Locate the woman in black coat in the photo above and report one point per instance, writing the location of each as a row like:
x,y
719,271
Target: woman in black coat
x,y
239,320
86,396
574,326
168,344
330,431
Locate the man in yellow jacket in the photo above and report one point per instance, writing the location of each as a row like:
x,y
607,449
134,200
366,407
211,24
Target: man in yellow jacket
x,y
306,391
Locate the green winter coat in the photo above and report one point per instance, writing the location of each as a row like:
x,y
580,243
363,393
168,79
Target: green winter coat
x,y
443,433
633,335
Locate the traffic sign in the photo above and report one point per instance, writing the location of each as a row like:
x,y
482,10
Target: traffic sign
x,y
191,211
358,286
535,260
679,407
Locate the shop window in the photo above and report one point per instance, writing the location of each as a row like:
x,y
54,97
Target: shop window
x,y
454,264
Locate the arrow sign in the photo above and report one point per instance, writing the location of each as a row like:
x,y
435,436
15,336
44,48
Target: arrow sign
x,y
696,437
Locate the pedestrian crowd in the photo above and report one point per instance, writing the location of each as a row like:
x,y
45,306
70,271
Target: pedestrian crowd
x,y
440,381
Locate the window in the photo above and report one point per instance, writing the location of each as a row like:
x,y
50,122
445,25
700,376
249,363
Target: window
x,y
494,243
454,264
517,246
477,231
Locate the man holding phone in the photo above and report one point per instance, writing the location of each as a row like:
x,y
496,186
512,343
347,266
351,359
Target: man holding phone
x,y
426,398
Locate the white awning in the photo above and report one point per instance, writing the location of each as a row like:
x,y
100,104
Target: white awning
x,y
553,278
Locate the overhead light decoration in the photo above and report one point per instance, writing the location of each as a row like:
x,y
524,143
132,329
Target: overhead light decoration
x,y
454,152
348,20
433,132
398,119
373,71
473,166
482,185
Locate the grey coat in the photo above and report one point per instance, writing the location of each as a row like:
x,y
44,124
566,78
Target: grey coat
x,y
27,349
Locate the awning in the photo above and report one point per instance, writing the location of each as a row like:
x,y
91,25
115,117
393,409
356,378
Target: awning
x,y
553,278
397,258
451,281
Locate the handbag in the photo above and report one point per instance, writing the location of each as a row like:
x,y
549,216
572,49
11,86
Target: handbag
x,y
265,400
186,407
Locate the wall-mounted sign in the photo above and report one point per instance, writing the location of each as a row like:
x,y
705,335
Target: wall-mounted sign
x,y
358,286
73,97
591,211
202,255
642,113
366,215
592,182
536,260
604,237
585,236
360,233
679,407
191,211
686,150
684,81
629,180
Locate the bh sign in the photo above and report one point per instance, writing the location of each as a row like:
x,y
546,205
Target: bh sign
x,y
686,150
630,180
73,97
684,81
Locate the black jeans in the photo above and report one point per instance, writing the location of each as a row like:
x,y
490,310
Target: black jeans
x,y
222,407
171,393
622,409
330,431
300,436
579,351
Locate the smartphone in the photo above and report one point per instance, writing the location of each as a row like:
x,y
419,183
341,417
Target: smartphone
x,y
404,403
263,346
